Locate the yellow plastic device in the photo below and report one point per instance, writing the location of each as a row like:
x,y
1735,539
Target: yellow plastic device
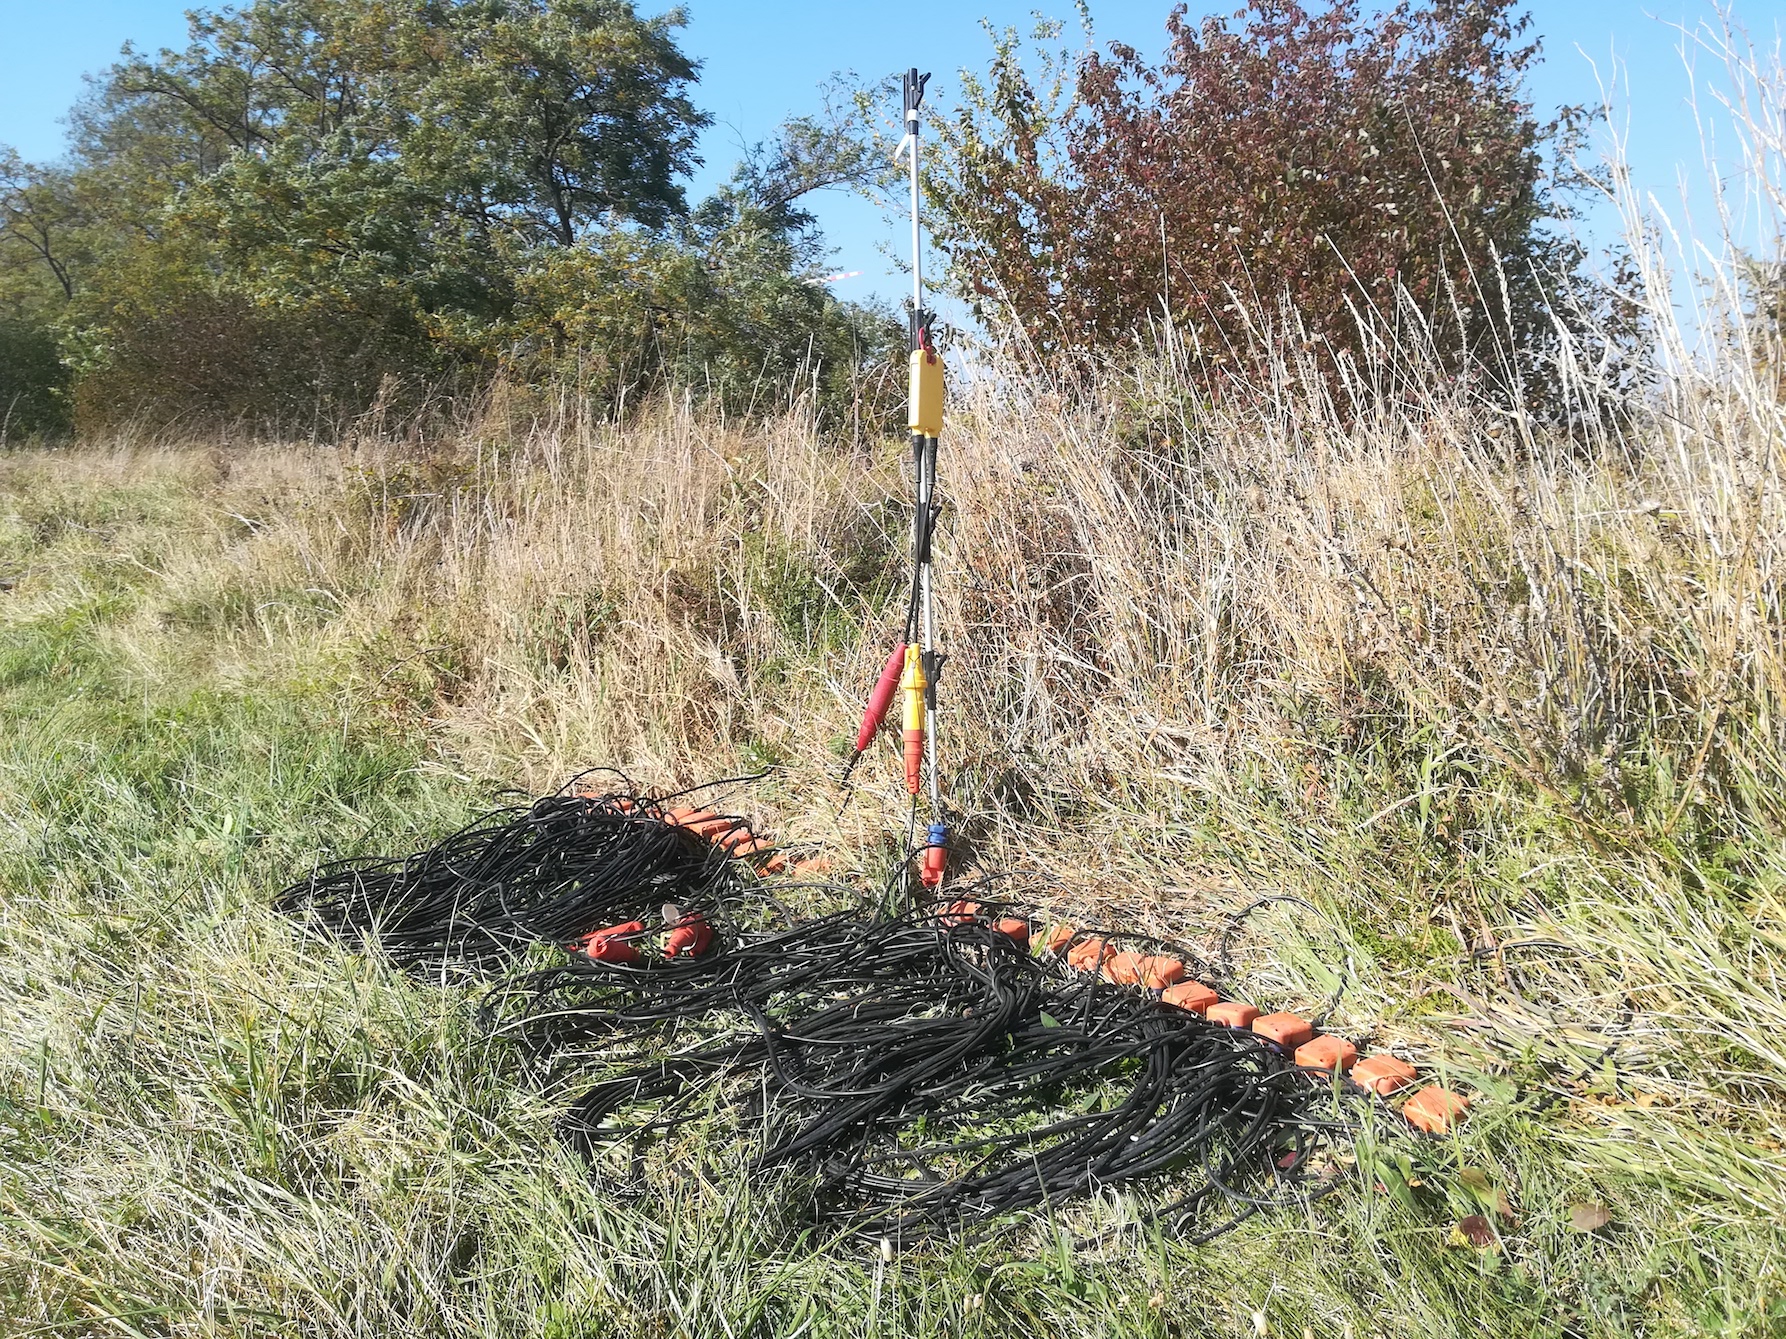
x,y
926,392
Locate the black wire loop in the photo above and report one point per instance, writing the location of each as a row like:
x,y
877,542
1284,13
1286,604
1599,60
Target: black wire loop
x,y
920,1065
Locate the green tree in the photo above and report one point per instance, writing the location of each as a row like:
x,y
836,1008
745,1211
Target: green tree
x,y
41,257
596,129
41,226
359,182
316,200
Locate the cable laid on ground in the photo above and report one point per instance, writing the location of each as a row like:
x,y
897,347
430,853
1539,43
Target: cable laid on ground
x,y
547,871
923,1068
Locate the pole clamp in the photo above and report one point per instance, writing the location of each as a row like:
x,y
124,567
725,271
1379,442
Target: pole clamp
x,y
914,98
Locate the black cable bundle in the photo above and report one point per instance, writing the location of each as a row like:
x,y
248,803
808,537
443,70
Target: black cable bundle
x,y
543,872
929,1070
924,1067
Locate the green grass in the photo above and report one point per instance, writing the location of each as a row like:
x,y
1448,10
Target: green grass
x,y
210,1124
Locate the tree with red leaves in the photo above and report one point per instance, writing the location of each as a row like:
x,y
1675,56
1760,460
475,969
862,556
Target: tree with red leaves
x,y
1373,176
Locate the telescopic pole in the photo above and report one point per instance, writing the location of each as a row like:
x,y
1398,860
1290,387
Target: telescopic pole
x,y
912,670
923,663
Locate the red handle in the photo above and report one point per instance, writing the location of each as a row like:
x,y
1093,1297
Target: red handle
x,y
881,698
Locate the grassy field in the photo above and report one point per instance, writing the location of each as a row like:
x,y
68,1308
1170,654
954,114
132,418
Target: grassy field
x,y
220,662
1504,703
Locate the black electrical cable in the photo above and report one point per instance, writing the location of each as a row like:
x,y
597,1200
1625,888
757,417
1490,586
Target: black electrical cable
x,y
548,871
922,1066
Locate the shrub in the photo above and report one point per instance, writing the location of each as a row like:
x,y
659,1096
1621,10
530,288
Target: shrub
x,y
724,312
1360,170
33,382
161,341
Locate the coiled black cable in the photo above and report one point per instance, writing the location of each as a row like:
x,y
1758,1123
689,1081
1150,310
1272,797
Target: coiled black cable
x,y
542,872
924,1067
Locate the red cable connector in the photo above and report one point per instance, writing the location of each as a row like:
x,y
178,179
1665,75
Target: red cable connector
x,y
880,699
689,938
936,857
611,943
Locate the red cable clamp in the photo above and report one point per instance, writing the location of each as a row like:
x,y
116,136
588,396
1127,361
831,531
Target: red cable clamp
x,y
691,937
611,943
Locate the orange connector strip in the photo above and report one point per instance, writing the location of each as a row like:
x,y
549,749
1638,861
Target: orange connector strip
x,y
1287,1030
1329,1053
1089,956
1123,969
1158,971
1014,926
1435,1109
1192,996
1231,1013
1383,1074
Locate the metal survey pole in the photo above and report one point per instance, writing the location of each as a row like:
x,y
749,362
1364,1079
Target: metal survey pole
x,y
924,664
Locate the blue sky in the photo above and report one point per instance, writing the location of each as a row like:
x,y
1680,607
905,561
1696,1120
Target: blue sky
x,y
763,62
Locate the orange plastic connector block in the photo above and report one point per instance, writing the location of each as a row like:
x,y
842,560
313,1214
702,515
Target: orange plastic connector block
x,y
958,913
1016,927
1329,1053
1159,971
716,828
1089,956
811,868
1383,1074
1123,969
1231,1013
775,864
704,821
1287,1030
1435,1109
1058,937
1191,995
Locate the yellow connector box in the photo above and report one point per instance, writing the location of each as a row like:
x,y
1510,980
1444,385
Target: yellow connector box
x,y
927,392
